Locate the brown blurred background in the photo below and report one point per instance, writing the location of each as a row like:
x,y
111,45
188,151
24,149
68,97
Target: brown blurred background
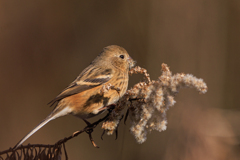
x,y
44,45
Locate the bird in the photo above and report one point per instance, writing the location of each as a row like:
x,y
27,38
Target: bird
x,y
83,97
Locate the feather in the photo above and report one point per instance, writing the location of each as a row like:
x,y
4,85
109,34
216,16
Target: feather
x,y
85,81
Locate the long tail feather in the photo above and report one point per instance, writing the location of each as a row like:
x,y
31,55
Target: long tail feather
x,y
55,114
45,121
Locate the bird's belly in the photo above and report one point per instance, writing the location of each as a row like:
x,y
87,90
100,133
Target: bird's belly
x,y
90,103
84,106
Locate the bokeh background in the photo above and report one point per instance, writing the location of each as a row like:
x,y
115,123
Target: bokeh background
x,y
44,45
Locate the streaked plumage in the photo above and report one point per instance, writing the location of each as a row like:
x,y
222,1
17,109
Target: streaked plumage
x,y
83,97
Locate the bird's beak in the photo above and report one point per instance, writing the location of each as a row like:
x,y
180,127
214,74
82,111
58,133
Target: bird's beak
x,y
131,62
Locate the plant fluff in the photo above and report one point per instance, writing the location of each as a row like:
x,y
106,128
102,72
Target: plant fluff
x,y
148,101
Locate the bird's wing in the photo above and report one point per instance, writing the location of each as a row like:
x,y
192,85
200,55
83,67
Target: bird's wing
x,y
90,77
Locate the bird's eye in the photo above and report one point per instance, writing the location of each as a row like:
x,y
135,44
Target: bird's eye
x,y
121,56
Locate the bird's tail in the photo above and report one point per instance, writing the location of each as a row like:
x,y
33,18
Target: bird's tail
x,y
55,114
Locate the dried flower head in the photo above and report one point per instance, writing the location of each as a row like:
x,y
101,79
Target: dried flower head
x,y
148,101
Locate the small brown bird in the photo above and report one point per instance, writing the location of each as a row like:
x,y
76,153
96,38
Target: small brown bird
x,y
83,97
